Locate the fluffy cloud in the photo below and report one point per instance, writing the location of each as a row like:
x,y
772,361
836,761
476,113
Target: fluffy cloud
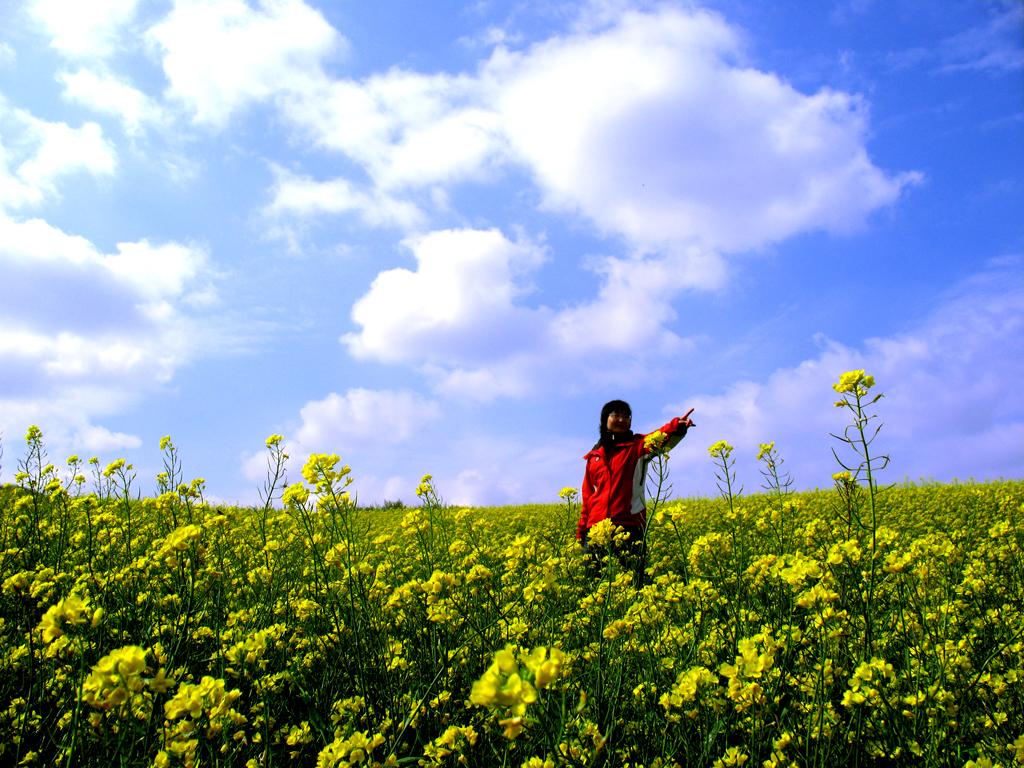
x,y
303,197
485,471
407,129
107,94
383,417
655,130
36,153
84,30
68,424
220,57
651,128
84,333
382,434
460,298
952,408
463,316
635,301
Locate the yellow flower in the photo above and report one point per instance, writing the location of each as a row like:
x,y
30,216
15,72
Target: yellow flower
x,y
502,686
855,383
319,469
113,467
1017,747
115,678
602,533
274,440
72,611
545,665
766,450
655,441
295,494
720,450
354,750
688,685
733,756
426,486
513,727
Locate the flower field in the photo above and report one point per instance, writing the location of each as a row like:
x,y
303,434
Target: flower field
x,y
855,626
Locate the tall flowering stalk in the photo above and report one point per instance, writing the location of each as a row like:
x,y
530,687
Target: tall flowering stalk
x,y
659,488
853,388
779,485
725,473
725,476
570,506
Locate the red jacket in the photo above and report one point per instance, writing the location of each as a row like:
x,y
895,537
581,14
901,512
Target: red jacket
x,y
613,486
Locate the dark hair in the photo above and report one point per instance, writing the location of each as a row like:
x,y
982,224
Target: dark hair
x,y
612,406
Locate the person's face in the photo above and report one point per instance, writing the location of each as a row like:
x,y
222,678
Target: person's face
x,y
618,422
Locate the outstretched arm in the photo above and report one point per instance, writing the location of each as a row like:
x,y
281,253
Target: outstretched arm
x,y
675,430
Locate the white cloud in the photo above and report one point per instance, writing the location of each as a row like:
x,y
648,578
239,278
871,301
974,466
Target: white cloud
x,y
458,303
473,468
405,128
462,316
303,196
100,439
634,302
36,153
952,408
67,421
109,95
654,130
145,272
219,57
381,417
651,128
84,29
84,334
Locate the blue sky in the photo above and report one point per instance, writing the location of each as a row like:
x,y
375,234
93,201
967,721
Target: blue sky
x,y
437,237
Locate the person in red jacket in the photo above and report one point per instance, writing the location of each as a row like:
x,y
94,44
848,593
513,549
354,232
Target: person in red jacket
x,y
613,483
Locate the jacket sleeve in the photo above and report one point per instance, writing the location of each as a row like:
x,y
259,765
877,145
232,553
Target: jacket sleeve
x,y
587,495
675,430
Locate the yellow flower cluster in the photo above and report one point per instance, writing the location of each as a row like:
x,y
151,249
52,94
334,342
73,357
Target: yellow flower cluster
x,y
356,749
854,382
720,450
865,681
63,618
117,682
504,687
746,674
655,441
686,690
